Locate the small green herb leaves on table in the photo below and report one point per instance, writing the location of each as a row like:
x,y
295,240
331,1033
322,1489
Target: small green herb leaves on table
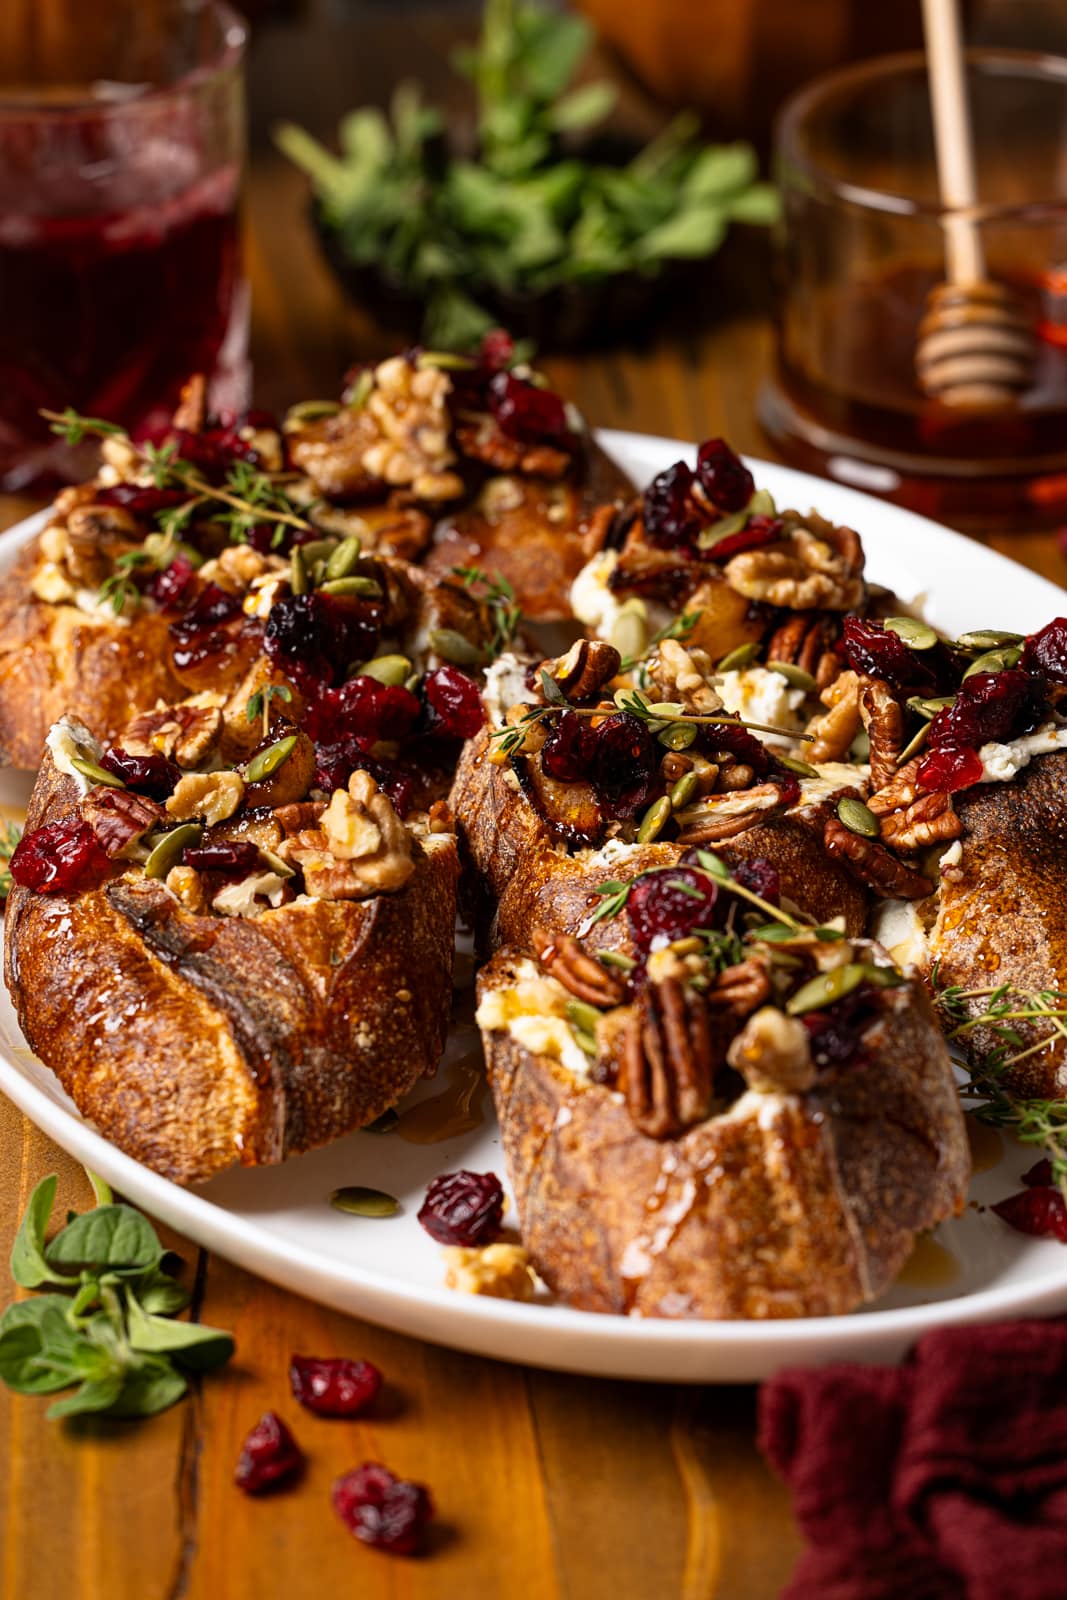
x,y
103,1327
10,834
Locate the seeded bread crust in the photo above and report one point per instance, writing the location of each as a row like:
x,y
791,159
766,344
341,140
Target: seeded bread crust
x,y
57,658
783,1206
521,879
194,1042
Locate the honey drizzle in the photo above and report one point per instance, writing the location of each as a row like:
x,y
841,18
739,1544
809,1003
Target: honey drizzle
x,y
457,1109
930,1265
986,1144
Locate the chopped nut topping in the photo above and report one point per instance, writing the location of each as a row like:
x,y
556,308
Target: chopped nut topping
x,y
741,988
772,1053
186,734
835,730
931,819
884,721
581,974
900,791
874,865
722,816
211,795
667,1064
681,676
120,819
187,886
361,848
502,1271
588,665
816,566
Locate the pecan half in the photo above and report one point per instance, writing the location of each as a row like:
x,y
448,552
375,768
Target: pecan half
x,y
835,730
721,816
884,720
302,814
586,978
667,1068
804,641
901,789
773,1054
874,865
588,665
740,988
481,439
931,819
119,818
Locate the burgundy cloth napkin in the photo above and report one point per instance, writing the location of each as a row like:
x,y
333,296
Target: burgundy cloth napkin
x,y
942,1479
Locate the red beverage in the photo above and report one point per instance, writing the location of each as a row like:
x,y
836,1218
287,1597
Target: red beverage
x,y
120,270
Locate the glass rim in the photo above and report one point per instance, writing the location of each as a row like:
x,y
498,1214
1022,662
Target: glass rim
x,y
224,58
789,125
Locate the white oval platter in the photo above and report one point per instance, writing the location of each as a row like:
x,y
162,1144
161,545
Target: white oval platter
x,y
278,1221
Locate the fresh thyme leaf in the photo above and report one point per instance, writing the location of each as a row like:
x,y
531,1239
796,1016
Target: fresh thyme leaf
x,y
10,834
73,428
500,598
615,895
551,689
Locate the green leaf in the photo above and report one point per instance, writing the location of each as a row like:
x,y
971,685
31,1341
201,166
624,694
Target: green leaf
x,y
96,1394
582,107
114,1237
101,1189
27,1329
163,1296
29,1268
695,232
551,47
719,170
148,1390
761,205
193,1344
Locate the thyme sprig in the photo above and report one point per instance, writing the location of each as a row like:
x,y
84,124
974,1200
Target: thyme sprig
x,y
253,495
499,596
616,892
10,834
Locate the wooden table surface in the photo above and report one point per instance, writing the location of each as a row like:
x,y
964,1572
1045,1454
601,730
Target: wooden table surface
x,y
547,1485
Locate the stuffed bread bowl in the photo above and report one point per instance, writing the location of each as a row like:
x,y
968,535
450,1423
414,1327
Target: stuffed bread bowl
x,y
749,1132
217,963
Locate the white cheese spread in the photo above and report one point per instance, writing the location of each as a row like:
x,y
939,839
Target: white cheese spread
x,y
70,737
758,695
534,1013
1000,762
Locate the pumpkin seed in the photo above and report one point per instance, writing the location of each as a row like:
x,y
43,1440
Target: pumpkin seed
x,y
393,670
684,790
801,768
360,391
445,360
710,537
914,745
167,852
691,946
827,987
298,577
361,1202
858,818
796,677
929,708
363,588
741,656
983,639
583,1016
316,550
629,630
915,634
994,661
95,774
383,1124
456,648
340,563
615,958
678,736
667,709
774,933
882,977
276,864
312,410
271,759
654,820
762,504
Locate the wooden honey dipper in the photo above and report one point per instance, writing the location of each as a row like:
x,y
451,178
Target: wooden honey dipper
x,y
976,343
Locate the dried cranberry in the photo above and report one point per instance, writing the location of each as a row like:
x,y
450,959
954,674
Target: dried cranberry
x,y
1045,651
724,478
333,1386
453,703
463,1208
231,857
381,1509
170,589
670,516
315,637
1040,1212
835,1032
152,775
140,500
336,762
211,607
761,877
58,858
990,707
947,771
668,904
526,412
363,708
498,350
567,753
758,531
877,652
1039,1176
625,764
270,1456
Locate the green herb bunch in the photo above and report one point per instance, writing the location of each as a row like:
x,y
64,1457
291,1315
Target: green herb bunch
x,y
524,214
104,1323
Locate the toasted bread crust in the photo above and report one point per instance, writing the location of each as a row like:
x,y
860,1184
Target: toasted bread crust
x,y
519,871
57,658
197,1041
783,1206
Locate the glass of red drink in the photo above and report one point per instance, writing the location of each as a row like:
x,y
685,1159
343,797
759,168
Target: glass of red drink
x,y
121,148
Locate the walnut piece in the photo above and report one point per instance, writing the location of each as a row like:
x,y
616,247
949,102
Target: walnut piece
x,y
667,1067
901,790
409,406
211,795
187,886
772,1053
361,848
835,730
186,734
580,973
806,570
874,865
884,720
120,819
931,819
680,676
586,668
501,1270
